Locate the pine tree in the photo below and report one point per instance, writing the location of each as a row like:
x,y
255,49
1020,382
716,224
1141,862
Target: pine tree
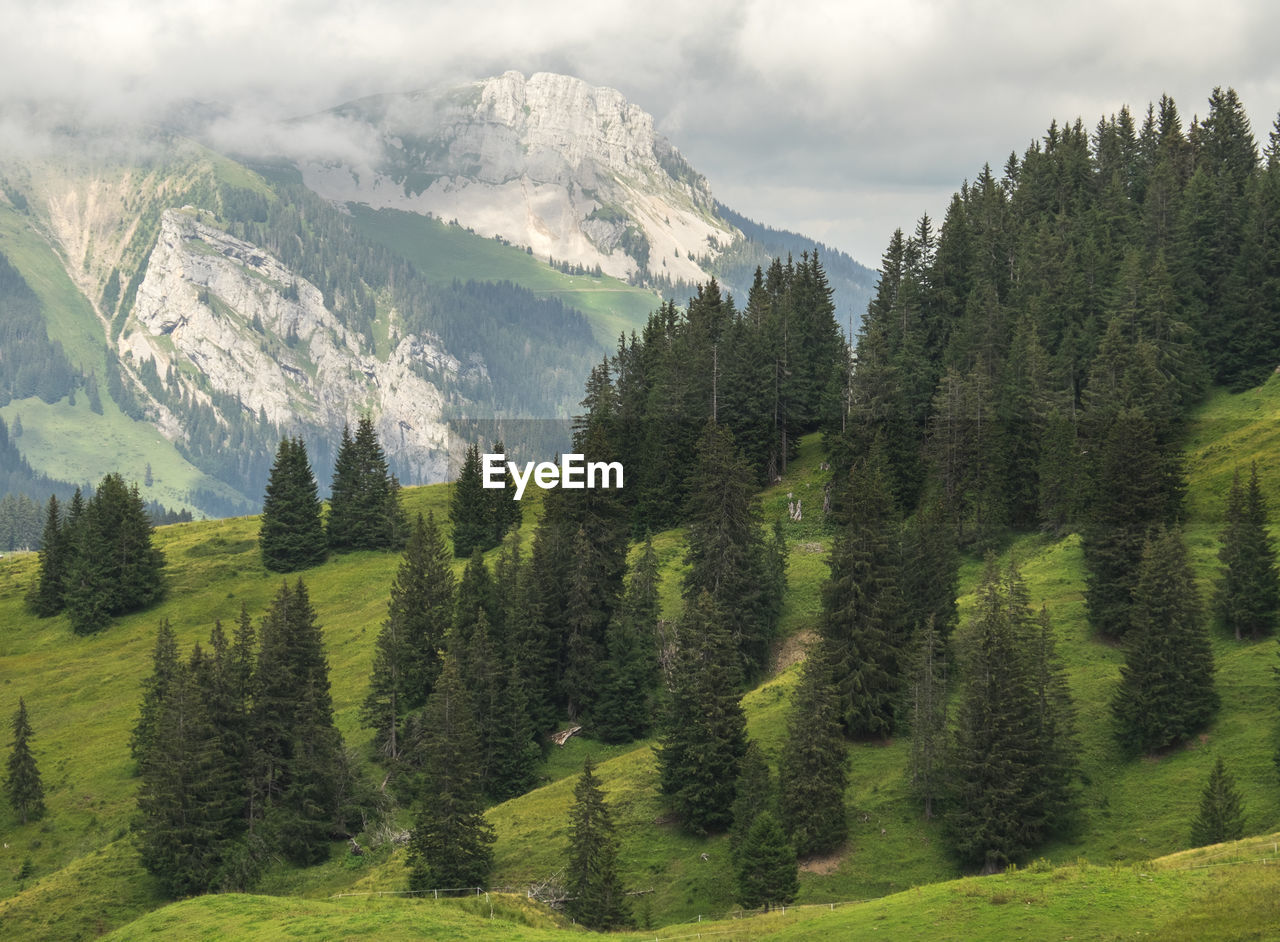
x,y
22,785
113,567
505,512
862,606
164,670
300,764
630,671
596,897
191,797
703,728
1221,816
928,694
1012,734
813,771
292,536
1133,490
47,595
766,865
1247,598
1166,691
728,557
470,508
450,843
755,793
364,506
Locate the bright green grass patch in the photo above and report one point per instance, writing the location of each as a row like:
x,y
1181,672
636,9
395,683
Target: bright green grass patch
x,y
72,443
1163,900
245,917
69,317
442,253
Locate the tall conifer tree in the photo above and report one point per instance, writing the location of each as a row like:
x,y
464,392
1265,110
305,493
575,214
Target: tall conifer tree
x,y
1011,734
596,896
470,508
1221,816
813,771
300,763
863,612
292,536
1247,599
22,784
450,842
703,729
1166,691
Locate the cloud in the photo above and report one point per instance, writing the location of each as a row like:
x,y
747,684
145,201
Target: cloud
x,y
844,120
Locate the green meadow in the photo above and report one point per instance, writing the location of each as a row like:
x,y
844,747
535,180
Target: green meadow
x,y
76,875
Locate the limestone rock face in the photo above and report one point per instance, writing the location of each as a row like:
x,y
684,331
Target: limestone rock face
x,y
217,306
573,171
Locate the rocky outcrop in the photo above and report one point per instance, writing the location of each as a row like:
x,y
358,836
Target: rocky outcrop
x,y
215,306
548,162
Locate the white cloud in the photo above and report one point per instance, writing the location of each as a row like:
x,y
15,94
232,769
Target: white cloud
x,y
834,118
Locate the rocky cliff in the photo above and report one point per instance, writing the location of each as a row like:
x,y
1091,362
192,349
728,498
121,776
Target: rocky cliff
x,y
211,312
572,171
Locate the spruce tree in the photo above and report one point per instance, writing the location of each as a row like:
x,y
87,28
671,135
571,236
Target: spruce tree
x,y
291,536
1135,487
596,896
22,785
630,672
1247,598
470,508
755,793
1012,734
475,601
513,739
1221,816
300,764
862,607
585,622
1166,691
928,692
191,797
767,873
364,506
703,728
728,557
46,597
450,842
505,512
813,771
113,567
164,670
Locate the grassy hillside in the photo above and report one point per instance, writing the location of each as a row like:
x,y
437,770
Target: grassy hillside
x,y
82,695
443,252
1224,892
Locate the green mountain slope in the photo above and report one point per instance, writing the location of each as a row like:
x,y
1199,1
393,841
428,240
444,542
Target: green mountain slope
x,y
69,442
82,696
443,252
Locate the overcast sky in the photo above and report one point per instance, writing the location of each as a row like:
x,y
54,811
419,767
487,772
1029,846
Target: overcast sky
x,y
839,120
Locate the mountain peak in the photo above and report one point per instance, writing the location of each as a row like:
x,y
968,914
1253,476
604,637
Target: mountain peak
x,y
572,171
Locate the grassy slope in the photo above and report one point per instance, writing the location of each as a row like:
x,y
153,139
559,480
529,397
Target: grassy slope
x,y
1177,898
83,693
443,252
70,443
